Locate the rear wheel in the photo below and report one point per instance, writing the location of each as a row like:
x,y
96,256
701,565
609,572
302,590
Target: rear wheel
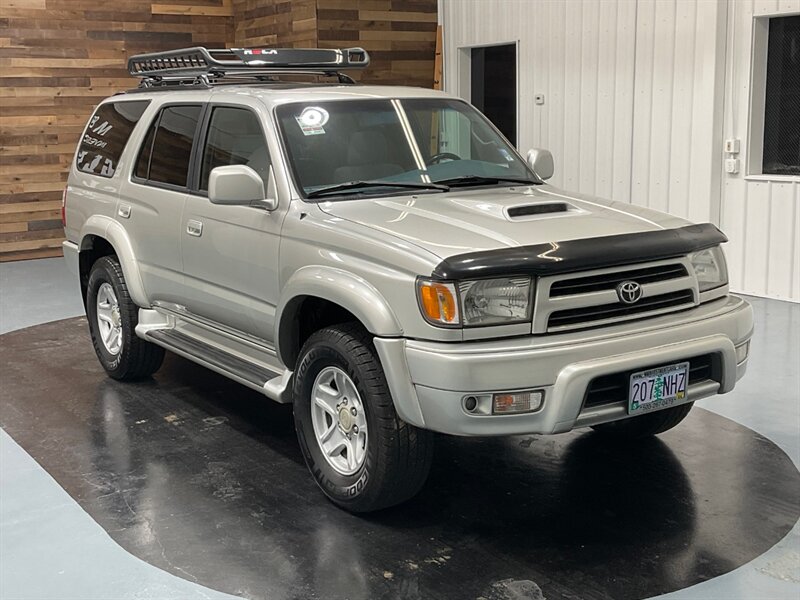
x,y
648,424
361,454
113,317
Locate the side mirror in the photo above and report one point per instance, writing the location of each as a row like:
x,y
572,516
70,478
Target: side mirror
x,y
238,185
541,162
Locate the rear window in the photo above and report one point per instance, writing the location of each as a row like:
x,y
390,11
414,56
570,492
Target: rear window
x,y
106,135
167,148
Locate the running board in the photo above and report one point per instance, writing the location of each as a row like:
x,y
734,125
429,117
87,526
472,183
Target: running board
x,y
268,382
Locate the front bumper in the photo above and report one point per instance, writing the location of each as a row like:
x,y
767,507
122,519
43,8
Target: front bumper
x,y
429,380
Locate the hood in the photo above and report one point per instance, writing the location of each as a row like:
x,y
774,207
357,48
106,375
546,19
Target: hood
x,y
464,221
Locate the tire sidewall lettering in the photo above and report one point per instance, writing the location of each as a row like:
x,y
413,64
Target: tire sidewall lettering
x,y
334,484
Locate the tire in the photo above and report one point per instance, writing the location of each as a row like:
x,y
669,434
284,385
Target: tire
x,y
390,459
125,357
646,425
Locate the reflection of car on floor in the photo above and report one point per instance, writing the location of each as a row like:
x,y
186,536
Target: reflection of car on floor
x,y
382,258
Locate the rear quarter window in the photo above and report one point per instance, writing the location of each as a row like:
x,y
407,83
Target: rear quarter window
x,y
106,135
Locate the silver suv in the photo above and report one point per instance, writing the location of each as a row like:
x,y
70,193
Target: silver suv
x,y
382,258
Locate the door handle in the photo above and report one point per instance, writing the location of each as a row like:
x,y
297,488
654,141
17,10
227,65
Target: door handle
x,y
124,211
194,228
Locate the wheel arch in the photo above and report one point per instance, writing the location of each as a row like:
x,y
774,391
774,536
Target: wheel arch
x,y
326,288
102,236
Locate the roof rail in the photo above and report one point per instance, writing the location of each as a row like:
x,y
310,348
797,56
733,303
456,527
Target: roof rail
x,y
202,66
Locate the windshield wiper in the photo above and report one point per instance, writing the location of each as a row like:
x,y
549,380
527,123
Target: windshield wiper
x,y
467,180
355,185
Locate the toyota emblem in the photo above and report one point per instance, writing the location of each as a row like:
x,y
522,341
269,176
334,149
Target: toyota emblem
x,y
629,292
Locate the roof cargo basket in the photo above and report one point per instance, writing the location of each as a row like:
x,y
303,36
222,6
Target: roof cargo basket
x,y
201,66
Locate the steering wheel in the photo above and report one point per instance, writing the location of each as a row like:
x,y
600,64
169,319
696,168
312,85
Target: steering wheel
x,y
437,158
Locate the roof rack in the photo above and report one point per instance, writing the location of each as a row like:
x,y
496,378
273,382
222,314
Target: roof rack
x,y
201,66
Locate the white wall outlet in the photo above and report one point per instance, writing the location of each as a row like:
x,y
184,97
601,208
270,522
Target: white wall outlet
x,y
732,146
732,165
538,99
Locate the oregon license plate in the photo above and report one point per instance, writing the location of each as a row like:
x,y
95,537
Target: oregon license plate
x,y
657,388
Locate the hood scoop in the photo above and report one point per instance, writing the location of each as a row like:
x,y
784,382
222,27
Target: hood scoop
x,y
538,209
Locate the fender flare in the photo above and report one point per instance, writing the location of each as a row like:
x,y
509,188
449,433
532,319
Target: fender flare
x,y
341,287
111,231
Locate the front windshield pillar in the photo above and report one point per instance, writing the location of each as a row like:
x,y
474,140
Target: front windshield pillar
x,y
412,141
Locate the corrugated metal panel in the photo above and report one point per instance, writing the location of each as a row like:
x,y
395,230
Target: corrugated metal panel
x,y
761,216
634,111
580,56
621,83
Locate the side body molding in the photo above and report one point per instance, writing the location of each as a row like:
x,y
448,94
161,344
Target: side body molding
x,y
115,234
349,291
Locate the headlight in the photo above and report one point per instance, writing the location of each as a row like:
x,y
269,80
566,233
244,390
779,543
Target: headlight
x,y
495,301
710,268
483,302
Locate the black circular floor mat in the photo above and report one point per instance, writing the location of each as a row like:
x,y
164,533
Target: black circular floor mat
x,y
203,478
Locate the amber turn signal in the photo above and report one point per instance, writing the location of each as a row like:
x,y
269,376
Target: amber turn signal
x,y
438,302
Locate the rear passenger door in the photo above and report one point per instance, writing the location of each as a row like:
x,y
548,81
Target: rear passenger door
x,y
151,203
230,253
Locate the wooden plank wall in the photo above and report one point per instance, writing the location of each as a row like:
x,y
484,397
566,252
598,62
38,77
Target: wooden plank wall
x,y
58,59
400,35
287,23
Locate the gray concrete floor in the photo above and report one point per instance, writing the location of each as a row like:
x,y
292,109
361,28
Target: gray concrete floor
x,y
51,548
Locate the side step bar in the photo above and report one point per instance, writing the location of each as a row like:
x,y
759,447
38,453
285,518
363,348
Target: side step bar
x,y
273,385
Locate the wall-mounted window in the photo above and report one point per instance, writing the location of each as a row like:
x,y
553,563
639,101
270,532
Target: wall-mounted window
x,y
774,146
781,154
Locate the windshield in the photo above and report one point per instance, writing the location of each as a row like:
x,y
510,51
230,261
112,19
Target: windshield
x,y
383,141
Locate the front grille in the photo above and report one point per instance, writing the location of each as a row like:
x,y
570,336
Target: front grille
x,y
589,314
609,281
612,389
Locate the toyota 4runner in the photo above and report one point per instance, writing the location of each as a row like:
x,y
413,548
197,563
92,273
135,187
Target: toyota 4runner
x,y
383,259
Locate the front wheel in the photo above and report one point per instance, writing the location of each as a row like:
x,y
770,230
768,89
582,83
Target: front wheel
x,y
361,454
648,424
113,317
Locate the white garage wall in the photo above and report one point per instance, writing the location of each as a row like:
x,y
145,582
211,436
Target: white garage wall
x,y
636,109
580,55
677,107
760,214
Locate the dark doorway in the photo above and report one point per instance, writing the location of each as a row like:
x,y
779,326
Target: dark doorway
x,y
494,86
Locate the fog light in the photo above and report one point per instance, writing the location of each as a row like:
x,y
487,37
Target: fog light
x,y
742,352
516,402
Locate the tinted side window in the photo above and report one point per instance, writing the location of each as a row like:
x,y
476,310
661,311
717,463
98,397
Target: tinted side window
x,y
143,162
234,138
106,136
167,148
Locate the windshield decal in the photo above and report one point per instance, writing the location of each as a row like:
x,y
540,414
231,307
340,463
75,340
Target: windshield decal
x,y
312,119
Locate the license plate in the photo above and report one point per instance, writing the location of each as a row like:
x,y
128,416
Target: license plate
x,y
657,388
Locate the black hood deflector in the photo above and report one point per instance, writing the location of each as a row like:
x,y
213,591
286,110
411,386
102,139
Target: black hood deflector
x,y
581,255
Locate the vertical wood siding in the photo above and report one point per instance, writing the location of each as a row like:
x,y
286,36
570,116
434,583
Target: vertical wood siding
x,y
58,59
637,107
